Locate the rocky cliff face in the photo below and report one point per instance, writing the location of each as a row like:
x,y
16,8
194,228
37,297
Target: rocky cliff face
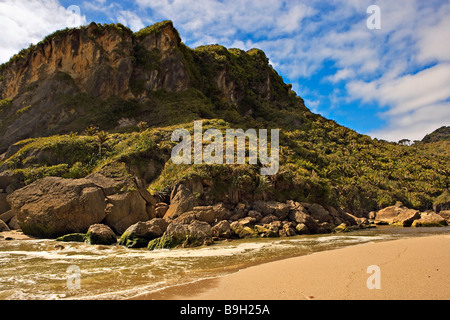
x,y
100,74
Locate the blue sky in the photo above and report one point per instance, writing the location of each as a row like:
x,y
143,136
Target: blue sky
x,y
390,83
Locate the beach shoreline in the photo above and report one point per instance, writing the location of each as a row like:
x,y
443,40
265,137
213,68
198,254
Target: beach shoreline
x,y
404,269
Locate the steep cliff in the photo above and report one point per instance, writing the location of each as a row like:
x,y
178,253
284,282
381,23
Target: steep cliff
x,y
108,76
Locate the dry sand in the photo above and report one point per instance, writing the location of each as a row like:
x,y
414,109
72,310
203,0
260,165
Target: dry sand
x,y
415,268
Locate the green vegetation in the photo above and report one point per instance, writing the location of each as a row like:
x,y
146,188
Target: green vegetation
x,y
23,110
154,28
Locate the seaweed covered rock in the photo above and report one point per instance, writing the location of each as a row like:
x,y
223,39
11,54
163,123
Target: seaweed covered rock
x,y
164,242
139,234
406,217
389,214
100,234
242,231
72,237
194,234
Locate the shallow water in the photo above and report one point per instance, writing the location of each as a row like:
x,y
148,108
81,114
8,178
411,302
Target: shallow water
x,y
36,269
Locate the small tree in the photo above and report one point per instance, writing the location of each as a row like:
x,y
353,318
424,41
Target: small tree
x,y
102,137
91,131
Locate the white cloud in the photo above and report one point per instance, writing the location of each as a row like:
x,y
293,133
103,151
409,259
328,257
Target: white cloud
x,y
415,102
434,43
416,124
29,21
130,19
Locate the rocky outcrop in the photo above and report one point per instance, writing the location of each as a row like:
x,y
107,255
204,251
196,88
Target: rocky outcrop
x,y
72,237
389,214
399,215
95,61
55,206
406,217
52,207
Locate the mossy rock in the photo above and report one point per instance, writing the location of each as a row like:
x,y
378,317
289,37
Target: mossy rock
x,y
164,242
265,232
341,228
428,224
72,237
130,241
100,234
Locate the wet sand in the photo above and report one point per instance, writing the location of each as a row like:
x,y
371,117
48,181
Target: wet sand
x,y
409,269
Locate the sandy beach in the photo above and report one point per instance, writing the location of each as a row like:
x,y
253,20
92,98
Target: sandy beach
x,y
405,269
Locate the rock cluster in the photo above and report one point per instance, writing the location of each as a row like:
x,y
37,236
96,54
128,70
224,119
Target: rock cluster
x,y
93,210
399,215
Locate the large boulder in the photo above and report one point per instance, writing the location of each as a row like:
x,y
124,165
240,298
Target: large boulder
x,y
100,234
181,200
388,214
279,209
194,231
124,210
406,217
139,234
194,234
52,207
429,219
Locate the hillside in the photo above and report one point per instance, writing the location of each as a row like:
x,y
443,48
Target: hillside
x,y
135,89
441,134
